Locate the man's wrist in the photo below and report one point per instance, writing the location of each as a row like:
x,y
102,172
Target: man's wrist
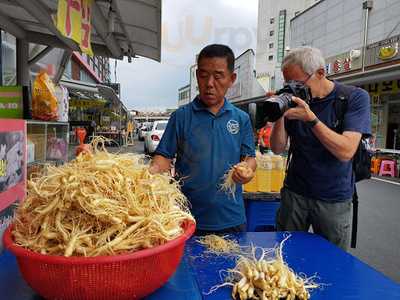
x,y
312,122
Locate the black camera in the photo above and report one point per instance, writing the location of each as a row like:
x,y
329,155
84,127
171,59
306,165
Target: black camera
x,y
274,107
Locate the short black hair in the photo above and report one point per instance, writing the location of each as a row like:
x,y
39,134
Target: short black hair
x,y
218,50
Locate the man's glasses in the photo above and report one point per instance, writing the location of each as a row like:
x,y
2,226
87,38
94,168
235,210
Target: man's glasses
x,y
303,82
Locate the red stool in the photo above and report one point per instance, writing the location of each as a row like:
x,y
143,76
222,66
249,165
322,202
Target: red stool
x,y
388,167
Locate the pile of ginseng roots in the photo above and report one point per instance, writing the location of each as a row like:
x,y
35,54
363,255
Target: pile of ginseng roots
x,y
100,204
262,274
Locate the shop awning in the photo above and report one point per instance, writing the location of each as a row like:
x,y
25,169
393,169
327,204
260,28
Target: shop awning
x,y
90,90
120,27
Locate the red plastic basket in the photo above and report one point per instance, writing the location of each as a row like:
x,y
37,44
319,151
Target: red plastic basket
x,y
126,276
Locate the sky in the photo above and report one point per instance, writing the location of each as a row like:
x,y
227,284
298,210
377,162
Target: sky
x,y
187,26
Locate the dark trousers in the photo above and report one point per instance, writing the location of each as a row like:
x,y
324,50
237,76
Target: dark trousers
x,y
235,229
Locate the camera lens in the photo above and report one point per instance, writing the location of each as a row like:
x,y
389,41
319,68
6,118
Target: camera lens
x,y
274,108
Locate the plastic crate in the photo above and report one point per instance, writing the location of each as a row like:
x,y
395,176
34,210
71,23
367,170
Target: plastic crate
x,y
261,214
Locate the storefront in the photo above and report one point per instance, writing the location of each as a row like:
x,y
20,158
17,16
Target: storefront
x,y
385,112
31,42
380,77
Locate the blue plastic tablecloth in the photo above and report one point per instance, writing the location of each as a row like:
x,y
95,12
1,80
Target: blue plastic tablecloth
x,y
343,275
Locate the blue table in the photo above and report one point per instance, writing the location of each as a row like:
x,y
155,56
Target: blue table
x,y
345,276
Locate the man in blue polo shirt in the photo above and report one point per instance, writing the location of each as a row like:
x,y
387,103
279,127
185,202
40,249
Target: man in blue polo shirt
x,y
319,184
209,136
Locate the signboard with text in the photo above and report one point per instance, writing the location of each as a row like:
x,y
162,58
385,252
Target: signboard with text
x,y
383,87
383,51
11,102
12,168
343,63
74,22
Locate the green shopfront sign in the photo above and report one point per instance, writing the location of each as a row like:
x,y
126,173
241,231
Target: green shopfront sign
x,y
11,102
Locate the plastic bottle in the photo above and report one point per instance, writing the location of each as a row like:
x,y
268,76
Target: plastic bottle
x,y
251,186
277,173
264,172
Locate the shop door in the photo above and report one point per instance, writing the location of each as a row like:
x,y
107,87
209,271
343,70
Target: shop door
x,y
393,129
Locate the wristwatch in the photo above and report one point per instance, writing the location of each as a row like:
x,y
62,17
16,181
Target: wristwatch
x,y
312,123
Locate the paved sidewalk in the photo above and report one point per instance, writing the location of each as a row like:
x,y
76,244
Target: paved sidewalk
x,y
387,178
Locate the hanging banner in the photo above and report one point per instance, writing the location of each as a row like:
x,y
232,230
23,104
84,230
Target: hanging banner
x,y
86,27
73,21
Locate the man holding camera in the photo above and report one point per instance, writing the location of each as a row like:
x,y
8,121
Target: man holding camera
x,y
319,183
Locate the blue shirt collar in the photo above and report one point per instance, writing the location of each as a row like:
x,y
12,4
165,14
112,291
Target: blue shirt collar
x,y
199,105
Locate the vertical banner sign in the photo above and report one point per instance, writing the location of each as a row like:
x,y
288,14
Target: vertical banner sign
x,y
73,21
86,27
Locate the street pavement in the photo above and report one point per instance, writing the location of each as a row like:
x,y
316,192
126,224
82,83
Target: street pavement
x,y
378,243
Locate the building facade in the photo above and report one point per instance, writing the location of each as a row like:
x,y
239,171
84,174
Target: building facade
x,y
246,85
360,41
94,69
184,95
273,37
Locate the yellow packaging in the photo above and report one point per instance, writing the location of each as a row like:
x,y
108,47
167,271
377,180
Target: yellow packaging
x,y
44,100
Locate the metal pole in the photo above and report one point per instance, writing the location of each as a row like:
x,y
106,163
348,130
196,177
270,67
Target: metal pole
x,y
23,76
1,58
40,55
367,6
64,60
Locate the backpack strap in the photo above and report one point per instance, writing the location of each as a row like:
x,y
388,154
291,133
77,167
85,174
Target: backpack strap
x,y
341,104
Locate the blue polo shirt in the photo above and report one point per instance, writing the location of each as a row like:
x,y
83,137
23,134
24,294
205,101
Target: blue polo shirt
x,y
206,146
314,172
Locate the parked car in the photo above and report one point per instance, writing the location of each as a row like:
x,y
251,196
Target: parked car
x,y
153,137
144,128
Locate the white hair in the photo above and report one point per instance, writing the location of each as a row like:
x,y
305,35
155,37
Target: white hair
x,y
307,58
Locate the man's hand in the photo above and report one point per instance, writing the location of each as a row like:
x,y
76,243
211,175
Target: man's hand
x,y
159,164
242,173
301,112
154,169
270,94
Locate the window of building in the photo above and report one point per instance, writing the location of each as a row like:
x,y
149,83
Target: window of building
x,y
75,70
272,21
8,59
68,71
270,57
84,76
271,45
271,33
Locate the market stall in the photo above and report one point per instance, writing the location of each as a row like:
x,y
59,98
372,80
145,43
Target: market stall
x,y
343,276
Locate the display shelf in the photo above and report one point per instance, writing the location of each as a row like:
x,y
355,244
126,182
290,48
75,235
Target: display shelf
x,y
50,141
